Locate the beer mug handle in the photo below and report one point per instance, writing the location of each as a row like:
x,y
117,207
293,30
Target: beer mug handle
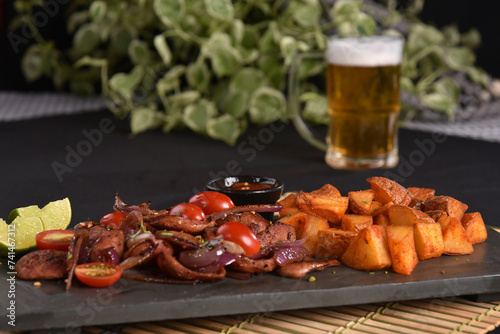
x,y
294,106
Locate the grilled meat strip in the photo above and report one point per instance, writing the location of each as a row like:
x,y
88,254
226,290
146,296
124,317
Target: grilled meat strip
x,y
300,269
169,265
266,232
100,239
251,266
276,232
254,221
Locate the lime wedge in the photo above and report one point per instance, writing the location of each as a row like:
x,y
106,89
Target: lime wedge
x,y
27,221
27,211
4,237
56,215
20,234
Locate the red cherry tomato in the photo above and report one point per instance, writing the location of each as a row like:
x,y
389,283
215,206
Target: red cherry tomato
x,y
187,210
54,239
212,201
113,219
240,234
98,274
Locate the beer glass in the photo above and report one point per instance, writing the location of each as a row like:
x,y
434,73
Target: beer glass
x,y
362,90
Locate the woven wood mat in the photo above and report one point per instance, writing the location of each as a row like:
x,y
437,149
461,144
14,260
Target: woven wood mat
x,y
417,316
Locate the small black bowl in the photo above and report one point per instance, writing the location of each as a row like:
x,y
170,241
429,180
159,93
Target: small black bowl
x,y
247,189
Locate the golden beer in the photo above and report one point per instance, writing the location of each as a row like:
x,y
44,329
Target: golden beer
x,y
363,103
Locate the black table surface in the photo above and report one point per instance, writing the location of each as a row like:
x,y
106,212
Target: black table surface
x,y
89,157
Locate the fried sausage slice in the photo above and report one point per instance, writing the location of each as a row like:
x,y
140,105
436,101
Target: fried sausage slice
x,y
43,264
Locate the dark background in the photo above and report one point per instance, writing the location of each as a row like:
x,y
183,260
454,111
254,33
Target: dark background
x,y
482,14
467,14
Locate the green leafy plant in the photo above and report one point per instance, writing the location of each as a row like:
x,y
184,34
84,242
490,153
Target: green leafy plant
x,y
432,58
213,66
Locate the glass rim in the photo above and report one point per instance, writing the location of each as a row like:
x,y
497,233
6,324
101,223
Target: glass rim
x,y
367,37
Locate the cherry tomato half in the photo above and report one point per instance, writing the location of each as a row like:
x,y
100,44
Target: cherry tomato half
x,y
113,219
187,210
54,239
212,201
98,274
240,234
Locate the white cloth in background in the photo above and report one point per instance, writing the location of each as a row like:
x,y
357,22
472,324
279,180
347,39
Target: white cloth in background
x,y
17,106
487,129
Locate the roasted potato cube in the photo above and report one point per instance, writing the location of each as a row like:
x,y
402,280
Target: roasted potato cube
x,y
454,237
428,240
355,223
306,227
404,215
421,193
368,251
360,202
297,220
382,220
387,190
333,242
474,227
287,200
454,208
374,208
332,208
327,190
380,209
402,248
312,226
288,205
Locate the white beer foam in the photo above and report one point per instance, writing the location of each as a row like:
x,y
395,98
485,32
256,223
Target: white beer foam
x,y
365,51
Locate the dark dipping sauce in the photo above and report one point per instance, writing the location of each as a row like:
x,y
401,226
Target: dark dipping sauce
x,y
250,186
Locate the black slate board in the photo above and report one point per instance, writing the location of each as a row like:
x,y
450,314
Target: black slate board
x,y
50,306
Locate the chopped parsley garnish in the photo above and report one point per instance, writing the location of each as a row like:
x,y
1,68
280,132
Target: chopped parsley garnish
x,y
142,229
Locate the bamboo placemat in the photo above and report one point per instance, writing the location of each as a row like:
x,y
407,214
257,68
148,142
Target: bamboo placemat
x,y
416,316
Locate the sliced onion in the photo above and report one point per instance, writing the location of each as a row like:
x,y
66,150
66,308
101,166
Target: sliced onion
x,y
83,255
223,260
226,259
122,207
74,254
271,249
215,241
291,254
134,240
203,257
138,259
232,247
245,208
109,255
